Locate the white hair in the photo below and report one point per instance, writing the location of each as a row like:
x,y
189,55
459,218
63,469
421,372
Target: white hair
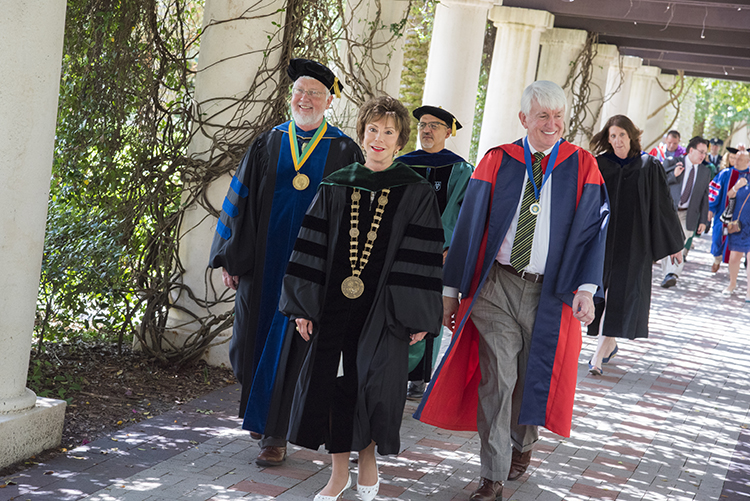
x,y
547,94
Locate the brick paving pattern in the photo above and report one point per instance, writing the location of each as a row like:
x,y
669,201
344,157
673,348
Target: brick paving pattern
x,y
667,421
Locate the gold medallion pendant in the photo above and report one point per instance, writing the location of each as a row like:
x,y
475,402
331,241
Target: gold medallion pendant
x,y
300,182
535,208
352,287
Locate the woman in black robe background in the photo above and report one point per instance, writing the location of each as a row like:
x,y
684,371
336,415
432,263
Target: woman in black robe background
x,y
643,228
351,388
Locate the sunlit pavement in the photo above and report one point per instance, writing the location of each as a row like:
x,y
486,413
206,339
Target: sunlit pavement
x,y
668,420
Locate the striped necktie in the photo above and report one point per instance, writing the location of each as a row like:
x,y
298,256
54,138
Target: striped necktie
x,y
520,254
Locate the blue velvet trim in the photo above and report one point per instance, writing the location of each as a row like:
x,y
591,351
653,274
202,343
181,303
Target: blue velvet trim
x,y
288,210
224,231
239,188
230,209
421,158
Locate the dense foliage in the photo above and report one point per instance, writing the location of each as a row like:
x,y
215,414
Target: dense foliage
x,y
123,126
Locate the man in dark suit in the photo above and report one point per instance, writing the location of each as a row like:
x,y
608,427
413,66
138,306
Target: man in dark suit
x,y
713,156
688,178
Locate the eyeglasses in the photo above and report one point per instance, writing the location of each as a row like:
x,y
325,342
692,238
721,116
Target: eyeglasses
x,y
431,125
312,94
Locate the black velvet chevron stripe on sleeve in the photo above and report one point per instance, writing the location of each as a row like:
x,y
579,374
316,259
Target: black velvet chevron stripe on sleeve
x,y
310,248
415,281
419,257
425,233
315,224
306,273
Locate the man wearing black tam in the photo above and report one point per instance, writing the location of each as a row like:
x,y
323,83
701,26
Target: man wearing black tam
x,y
260,218
449,174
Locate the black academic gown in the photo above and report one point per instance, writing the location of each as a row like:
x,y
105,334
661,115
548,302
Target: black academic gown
x,y
404,289
643,228
256,230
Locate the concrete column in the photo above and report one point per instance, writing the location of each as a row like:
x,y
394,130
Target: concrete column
x,y
560,48
605,55
32,39
618,87
514,65
742,136
686,118
376,64
231,54
454,63
644,78
654,128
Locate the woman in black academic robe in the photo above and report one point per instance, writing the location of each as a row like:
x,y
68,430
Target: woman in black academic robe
x,y
363,283
643,228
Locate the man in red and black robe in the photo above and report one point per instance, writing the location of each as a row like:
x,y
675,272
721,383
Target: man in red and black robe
x,y
513,360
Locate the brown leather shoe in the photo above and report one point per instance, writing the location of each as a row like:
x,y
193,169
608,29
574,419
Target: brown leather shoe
x,y
271,456
488,491
255,435
518,464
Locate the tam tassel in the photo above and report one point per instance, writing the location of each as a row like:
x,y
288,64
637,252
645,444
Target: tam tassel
x,y
336,89
453,128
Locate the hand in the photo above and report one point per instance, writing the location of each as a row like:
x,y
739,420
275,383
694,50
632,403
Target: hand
x,y
445,254
701,229
304,327
231,281
678,169
415,338
450,307
710,215
676,258
741,182
583,307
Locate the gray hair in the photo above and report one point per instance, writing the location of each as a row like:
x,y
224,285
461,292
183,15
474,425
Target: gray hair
x,y
547,94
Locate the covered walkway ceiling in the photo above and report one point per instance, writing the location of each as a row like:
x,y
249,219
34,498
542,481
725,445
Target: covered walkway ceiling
x,y
705,38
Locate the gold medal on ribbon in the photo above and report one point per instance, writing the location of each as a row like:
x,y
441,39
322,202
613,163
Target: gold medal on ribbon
x,y
300,182
535,208
352,287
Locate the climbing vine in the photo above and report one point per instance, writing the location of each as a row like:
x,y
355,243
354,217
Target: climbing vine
x,y
123,175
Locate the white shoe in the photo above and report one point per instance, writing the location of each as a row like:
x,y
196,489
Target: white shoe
x,y
727,291
368,492
320,497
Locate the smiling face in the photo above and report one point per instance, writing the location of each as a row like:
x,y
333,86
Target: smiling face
x,y
310,100
432,141
743,159
620,141
544,127
380,143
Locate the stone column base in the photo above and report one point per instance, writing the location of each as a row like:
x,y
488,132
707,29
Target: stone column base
x,y
25,433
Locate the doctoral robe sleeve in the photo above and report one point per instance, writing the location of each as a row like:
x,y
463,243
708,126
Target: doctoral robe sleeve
x,y
664,227
583,257
459,179
303,288
234,243
415,281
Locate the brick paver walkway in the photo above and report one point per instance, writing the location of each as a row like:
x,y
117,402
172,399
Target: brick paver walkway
x,y
667,421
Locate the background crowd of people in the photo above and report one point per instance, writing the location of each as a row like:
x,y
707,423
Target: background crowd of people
x,y
347,258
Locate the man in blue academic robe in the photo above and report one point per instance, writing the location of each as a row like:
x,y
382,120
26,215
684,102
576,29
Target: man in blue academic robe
x,y
261,216
449,175
527,257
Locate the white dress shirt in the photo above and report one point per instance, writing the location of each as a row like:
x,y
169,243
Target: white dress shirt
x,y
540,244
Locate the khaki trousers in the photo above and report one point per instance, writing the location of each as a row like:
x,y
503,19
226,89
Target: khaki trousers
x,y
504,315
